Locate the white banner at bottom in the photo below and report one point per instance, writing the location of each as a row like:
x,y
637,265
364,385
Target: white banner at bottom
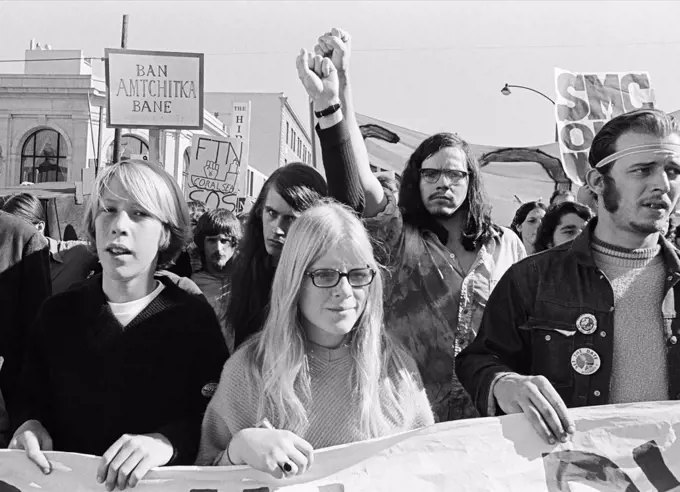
x,y
630,448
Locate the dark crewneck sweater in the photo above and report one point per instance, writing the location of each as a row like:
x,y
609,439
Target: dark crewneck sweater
x,y
89,380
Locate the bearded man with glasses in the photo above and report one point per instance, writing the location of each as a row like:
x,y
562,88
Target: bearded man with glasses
x,y
444,253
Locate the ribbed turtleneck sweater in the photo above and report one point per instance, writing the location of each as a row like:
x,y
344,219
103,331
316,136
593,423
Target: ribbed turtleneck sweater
x,y
639,371
333,411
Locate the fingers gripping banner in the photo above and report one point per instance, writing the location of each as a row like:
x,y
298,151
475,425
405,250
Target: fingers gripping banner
x,y
215,166
585,102
629,448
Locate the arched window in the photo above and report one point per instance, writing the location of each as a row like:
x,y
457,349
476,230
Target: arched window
x,y
131,146
187,160
43,157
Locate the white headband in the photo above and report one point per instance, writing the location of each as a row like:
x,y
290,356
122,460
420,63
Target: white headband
x,y
671,148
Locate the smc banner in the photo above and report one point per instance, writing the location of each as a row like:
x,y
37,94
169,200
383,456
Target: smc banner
x,y
628,448
585,102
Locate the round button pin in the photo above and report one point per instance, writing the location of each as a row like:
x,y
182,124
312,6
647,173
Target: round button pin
x,y
586,324
209,390
585,361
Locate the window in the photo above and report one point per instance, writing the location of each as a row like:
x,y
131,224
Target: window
x,y
292,140
287,129
43,157
130,146
251,178
186,158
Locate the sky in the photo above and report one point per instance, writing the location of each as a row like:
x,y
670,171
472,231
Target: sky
x,y
428,66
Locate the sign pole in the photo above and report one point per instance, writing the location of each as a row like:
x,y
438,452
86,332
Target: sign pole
x,y
312,133
155,146
116,132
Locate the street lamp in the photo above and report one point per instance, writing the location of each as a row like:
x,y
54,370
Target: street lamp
x,y
506,92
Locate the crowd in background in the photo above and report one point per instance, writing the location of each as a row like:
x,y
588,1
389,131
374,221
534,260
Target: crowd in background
x,y
335,310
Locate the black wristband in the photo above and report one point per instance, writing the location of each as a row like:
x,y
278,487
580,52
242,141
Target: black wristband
x,y
328,111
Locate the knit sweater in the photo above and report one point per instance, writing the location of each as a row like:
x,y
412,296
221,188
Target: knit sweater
x,y
639,370
333,412
89,380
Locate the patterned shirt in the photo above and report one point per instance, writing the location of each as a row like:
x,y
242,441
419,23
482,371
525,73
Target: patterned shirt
x,y
432,305
216,290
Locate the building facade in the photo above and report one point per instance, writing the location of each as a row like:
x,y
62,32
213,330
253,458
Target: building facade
x,y
53,125
276,135
54,137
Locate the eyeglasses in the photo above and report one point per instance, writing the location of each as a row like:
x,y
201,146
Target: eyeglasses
x,y
326,278
434,175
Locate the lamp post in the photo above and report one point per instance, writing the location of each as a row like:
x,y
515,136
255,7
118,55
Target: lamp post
x,y
506,92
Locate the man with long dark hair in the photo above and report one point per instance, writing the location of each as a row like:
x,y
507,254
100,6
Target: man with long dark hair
x,y
216,235
443,251
289,191
592,321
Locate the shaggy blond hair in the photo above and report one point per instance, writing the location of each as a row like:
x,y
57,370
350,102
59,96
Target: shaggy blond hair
x,y
154,191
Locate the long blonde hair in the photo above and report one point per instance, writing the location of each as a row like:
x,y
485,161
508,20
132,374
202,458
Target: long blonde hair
x,y
278,357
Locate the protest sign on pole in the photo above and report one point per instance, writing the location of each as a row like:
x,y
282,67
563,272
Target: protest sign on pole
x,y
154,89
215,166
630,448
585,102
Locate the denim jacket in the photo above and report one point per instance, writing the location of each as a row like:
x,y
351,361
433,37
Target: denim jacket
x,y
529,325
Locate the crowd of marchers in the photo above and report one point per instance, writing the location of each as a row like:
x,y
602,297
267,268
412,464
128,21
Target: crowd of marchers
x,y
337,310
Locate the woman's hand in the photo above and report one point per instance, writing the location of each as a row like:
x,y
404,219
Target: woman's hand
x,y
280,453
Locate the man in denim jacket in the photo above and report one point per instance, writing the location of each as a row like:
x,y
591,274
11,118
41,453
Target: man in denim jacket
x,y
593,321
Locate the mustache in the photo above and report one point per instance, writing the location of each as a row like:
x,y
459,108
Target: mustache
x,y
440,196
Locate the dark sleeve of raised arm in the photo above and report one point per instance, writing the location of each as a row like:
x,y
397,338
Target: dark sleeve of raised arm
x,y
339,163
501,346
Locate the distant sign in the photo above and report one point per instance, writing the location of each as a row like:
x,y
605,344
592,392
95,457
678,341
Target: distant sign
x,y
154,89
585,102
240,128
214,168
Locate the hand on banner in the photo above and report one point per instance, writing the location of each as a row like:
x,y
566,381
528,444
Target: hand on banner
x,y
32,437
536,397
127,461
280,453
336,45
319,78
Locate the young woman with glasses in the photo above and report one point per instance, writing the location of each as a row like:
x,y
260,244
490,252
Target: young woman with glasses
x,y
322,372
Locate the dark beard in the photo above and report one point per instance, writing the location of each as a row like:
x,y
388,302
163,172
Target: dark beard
x,y
216,266
443,215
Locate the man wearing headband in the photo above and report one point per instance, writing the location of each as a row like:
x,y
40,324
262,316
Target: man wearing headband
x,y
592,321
